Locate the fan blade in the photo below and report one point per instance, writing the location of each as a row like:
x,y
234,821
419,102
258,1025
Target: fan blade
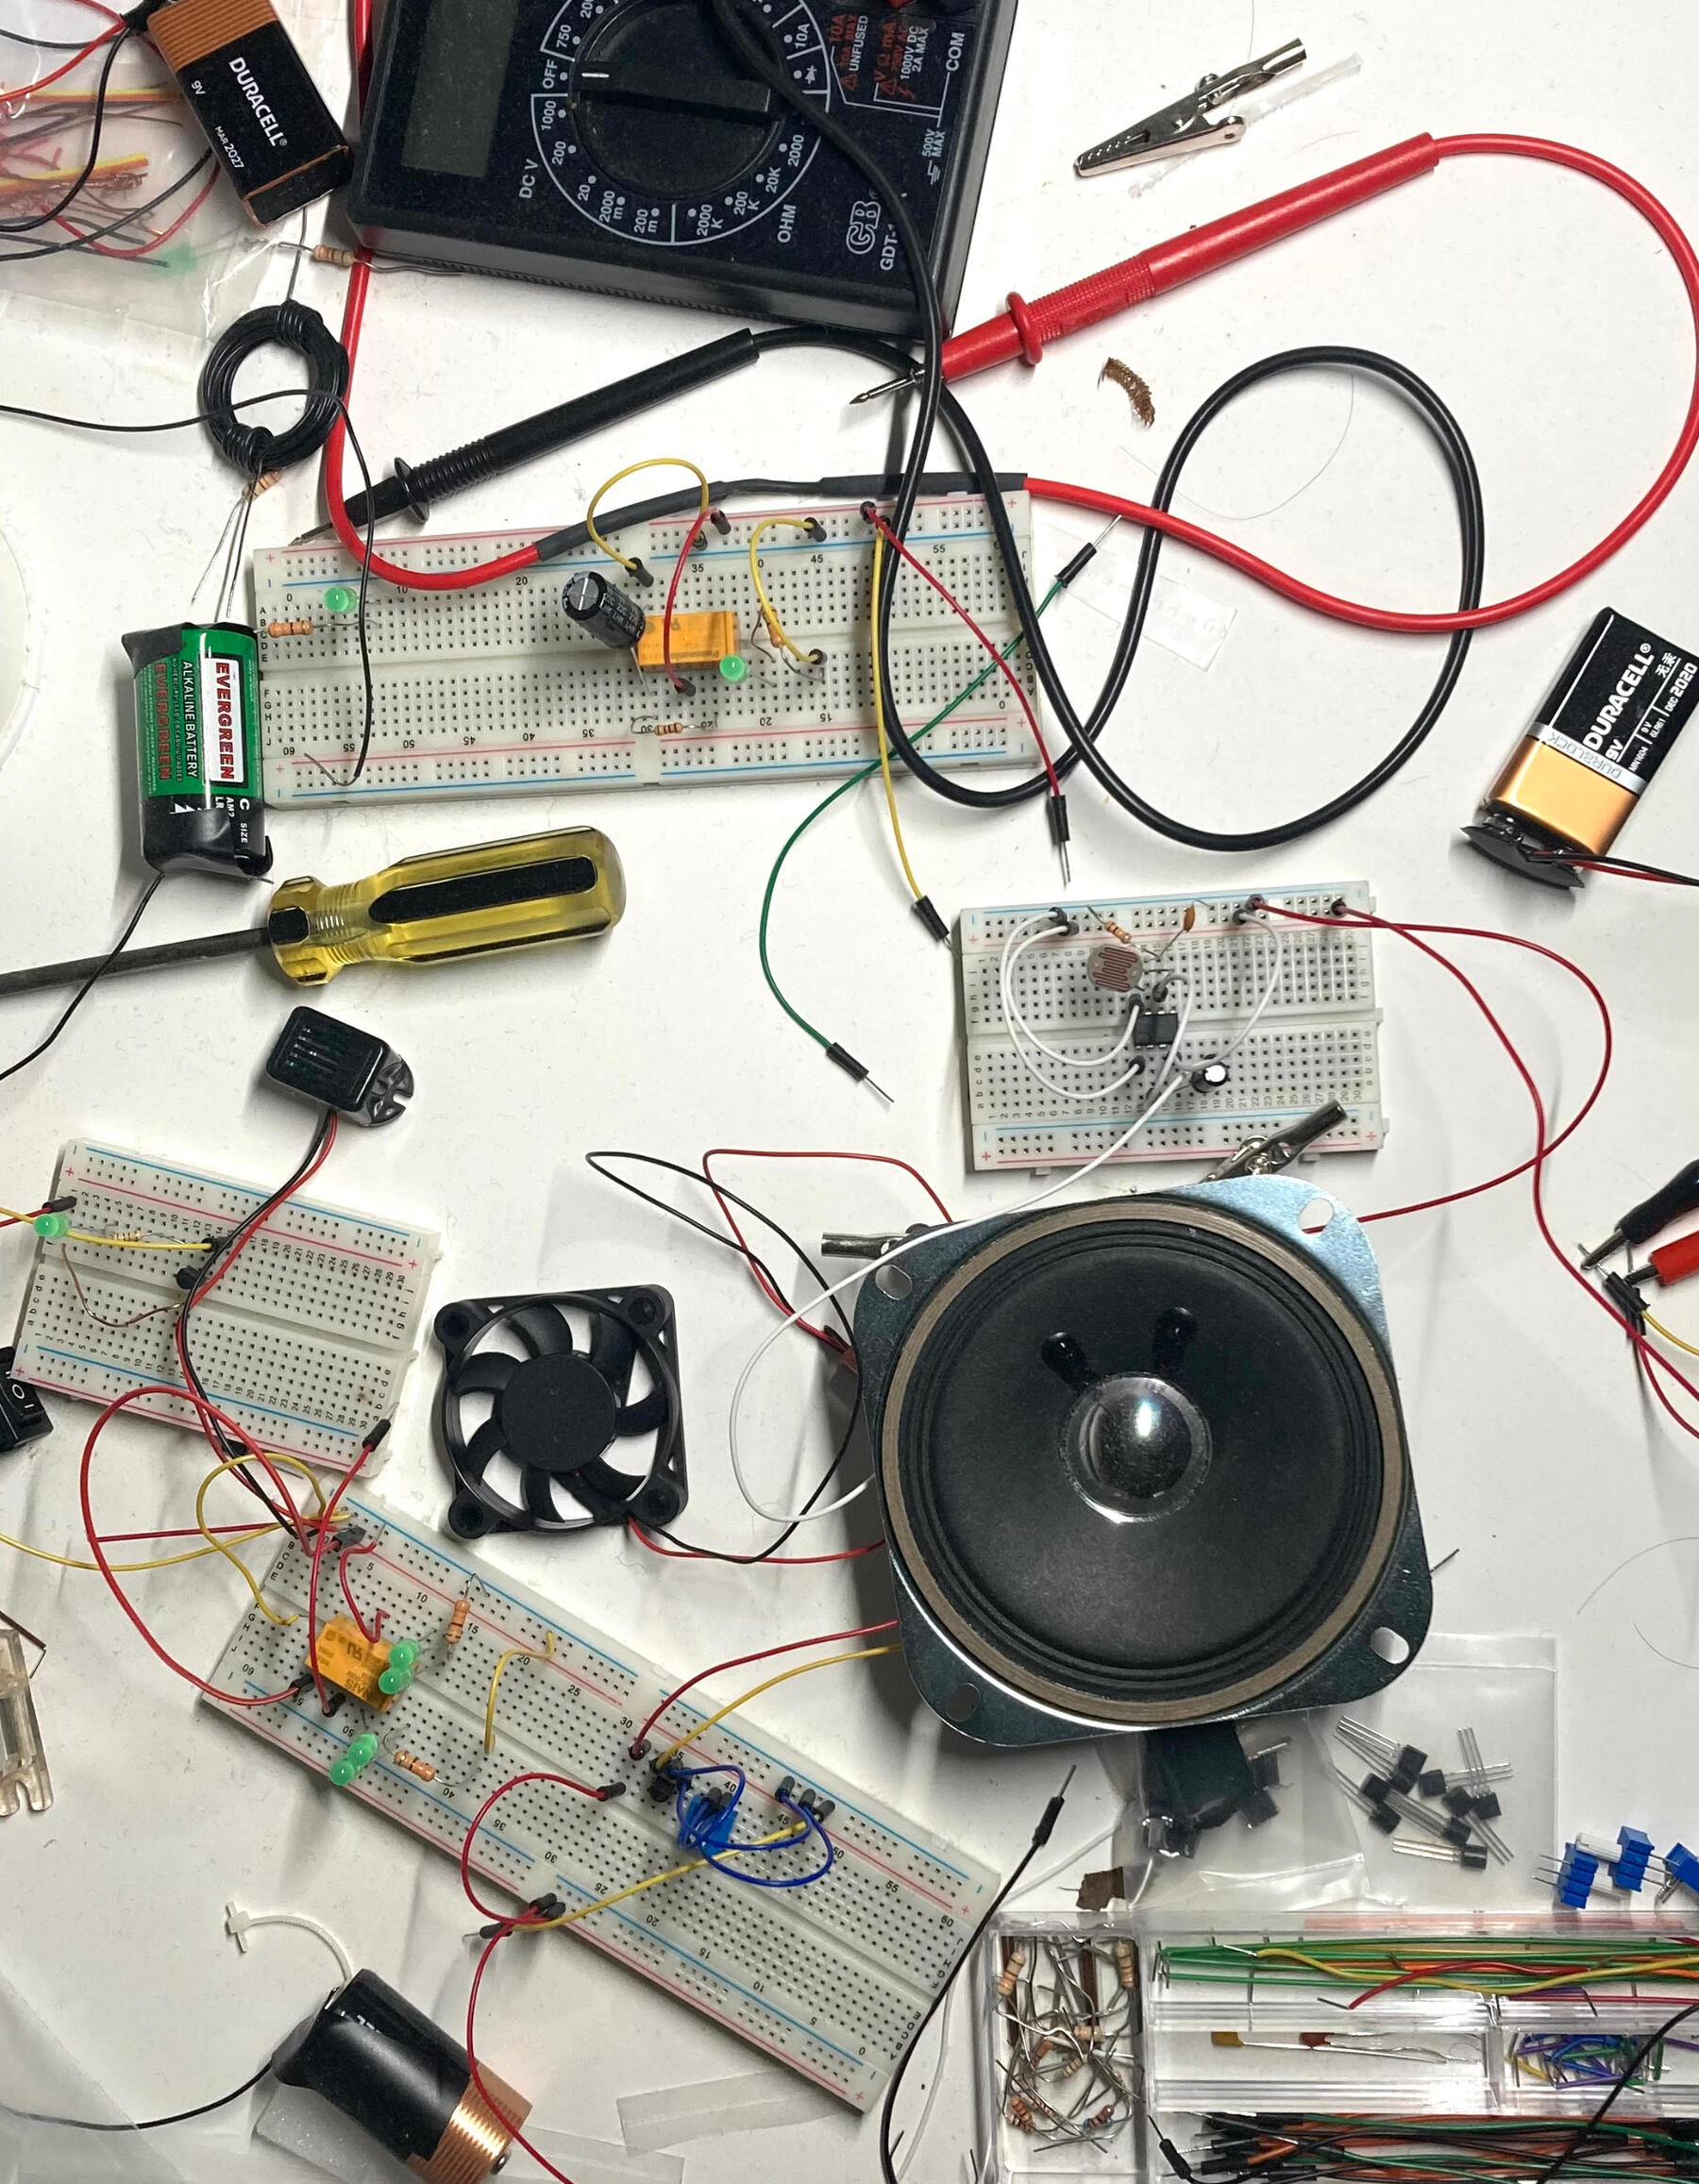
x,y
613,1351
647,1416
543,1329
539,1496
605,1493
486,1372
486,1443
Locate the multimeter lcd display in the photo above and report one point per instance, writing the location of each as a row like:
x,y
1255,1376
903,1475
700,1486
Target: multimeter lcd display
x,y
456,93
624,145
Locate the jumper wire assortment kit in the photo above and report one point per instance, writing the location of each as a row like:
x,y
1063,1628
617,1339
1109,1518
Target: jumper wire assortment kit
x,y
1115,1456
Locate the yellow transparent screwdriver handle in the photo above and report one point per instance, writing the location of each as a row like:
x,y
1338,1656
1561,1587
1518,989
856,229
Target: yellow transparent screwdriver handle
x,y
460,902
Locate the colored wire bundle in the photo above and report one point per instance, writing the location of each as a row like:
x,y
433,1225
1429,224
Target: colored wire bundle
x,y
1431,2149
1502,1965
706,1820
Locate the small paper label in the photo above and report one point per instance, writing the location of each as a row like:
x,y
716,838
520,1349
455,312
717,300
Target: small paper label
x,y
221,720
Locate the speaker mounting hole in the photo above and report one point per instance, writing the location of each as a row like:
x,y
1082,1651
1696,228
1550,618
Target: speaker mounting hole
x,y
895,1282
1387,1643
1315,1217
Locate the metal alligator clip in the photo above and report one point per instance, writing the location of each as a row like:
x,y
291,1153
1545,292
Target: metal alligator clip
x,y
1185,125
1269,1155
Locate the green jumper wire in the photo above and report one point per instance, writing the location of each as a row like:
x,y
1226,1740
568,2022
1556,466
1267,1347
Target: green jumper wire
x,y
846,1061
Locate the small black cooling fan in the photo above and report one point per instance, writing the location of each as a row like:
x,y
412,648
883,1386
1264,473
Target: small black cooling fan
x,y
559,1402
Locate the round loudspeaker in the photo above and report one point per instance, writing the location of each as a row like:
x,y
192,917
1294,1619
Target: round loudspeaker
x,y
1142,1460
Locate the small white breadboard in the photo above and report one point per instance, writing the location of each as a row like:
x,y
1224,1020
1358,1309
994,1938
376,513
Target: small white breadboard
x,y
498,689
829,1978
1318,1039
305,1342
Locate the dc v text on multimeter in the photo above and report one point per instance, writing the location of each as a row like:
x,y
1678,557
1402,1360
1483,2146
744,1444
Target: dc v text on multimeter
x,y
622,145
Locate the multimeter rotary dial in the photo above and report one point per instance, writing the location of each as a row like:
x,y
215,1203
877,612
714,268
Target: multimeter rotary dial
x,y
653,128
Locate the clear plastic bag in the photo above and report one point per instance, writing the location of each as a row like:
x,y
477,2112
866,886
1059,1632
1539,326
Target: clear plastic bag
x,y
156,237
39,2078
1305,1856
1506,1689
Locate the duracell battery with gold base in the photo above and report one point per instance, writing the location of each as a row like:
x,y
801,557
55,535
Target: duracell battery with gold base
x,y
1607,724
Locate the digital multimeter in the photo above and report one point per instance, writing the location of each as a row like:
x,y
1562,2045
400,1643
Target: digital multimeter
x,y
622,145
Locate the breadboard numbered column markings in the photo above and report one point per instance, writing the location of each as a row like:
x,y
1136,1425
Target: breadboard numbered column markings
x,y
305,1343
829,1978
499,690
1318,1040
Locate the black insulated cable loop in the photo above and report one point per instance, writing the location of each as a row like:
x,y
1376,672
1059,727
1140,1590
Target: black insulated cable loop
x,y
1466,485
296,326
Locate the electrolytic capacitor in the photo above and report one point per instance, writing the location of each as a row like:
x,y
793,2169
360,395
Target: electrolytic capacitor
x,y
604,611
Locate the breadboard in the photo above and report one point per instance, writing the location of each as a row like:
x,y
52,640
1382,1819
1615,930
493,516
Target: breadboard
x,y
305,1342
829,1978
1318,1040
498,689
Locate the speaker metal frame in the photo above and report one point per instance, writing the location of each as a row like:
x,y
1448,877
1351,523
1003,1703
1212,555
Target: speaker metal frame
x,y
959,1672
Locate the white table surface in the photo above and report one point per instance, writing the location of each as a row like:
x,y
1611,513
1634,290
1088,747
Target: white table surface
x,y
1547,317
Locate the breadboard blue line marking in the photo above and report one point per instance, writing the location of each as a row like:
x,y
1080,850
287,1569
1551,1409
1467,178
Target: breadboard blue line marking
x,y
830,1978
218,1394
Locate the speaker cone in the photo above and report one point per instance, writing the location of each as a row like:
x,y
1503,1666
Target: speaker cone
x,y
1142,1461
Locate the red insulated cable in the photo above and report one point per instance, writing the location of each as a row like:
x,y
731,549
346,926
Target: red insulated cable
x,y
956,608
685,551
743,1660
1664,223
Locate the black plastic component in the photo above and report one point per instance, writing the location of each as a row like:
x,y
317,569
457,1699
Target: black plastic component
x,y
846,1061
1407,1772
1384,1818
1265,1765
555,1410
1459,1803
1679,1196
416,486
338,1065
1199,1778
1471,1857
1521,847
1258,1808
1431,1782
604,611
1486,1806
1158,1029
927,911
371,2054
628,149
1456,1831
22,1416
1374,1787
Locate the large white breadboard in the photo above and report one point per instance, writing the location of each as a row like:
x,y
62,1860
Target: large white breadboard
x,y
1318,1040
829,1978
305,1342
497,688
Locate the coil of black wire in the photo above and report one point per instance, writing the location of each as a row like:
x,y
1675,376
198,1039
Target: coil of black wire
x,y
254,449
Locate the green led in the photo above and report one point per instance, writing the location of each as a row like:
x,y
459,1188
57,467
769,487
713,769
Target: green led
x,y
733,667
395,1680
404,1652
51,1224
340,600
359,1755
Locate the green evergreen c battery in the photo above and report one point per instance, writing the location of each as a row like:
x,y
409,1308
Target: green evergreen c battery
x,y
197,747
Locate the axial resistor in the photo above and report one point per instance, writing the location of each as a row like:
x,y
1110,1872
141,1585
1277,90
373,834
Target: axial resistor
x,y
457,1622
1012,1970
411,1764
299,628
1020,2112
1106,2114
1126,1969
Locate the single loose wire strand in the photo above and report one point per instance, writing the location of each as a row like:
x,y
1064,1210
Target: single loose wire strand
x,y
630,566
784,1675
498,1671
769,614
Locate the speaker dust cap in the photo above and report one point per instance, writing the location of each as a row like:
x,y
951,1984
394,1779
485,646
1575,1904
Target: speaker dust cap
x,y
1142,1461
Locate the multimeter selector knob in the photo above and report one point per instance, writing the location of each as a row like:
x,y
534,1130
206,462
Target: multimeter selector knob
x,y
665,106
